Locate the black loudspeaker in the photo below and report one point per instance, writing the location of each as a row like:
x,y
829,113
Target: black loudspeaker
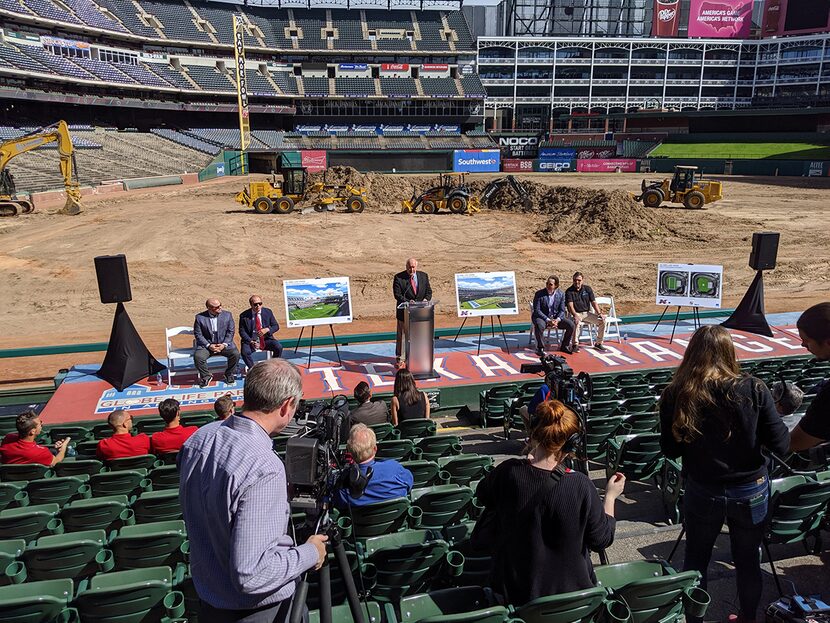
x,y
764,250
113,278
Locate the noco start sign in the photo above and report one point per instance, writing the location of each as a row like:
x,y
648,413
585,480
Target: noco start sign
x,y
519,146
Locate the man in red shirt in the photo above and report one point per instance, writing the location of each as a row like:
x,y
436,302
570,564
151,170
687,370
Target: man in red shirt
x,y
21,448
174,434
122,444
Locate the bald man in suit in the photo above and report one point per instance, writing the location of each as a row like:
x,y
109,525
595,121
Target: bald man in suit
x,y
408,285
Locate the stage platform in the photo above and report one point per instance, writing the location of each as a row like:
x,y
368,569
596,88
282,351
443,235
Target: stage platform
x,y
461,372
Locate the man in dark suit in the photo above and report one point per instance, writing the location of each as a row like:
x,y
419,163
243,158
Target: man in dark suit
x,y
549,313
257,327
409,285
213,330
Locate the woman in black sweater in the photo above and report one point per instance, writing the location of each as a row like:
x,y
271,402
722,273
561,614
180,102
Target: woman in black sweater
x,y
718,420
547,518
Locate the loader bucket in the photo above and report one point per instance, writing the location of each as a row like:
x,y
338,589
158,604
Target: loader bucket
x,y
71,207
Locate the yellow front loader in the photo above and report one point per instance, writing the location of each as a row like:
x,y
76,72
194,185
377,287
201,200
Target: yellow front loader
x,y
694,193
10,203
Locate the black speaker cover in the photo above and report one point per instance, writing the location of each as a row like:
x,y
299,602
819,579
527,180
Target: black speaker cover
x,y
127,359
764,250
113,278
750,315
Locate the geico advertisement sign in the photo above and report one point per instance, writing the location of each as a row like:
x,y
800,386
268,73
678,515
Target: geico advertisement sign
x,y
476,161
550,166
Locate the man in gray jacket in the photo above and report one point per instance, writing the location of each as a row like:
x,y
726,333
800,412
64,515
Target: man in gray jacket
x,y
214,329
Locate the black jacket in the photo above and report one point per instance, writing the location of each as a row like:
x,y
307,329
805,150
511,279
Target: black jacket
x,y
402,289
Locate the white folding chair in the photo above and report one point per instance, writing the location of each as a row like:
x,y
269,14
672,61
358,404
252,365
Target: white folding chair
x,y
612,321
179,359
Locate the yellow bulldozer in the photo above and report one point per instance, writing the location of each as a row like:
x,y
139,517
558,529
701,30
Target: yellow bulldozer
x,y
10,203
280,196
686,187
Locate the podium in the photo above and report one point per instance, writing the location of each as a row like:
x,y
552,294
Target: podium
x,y
419,332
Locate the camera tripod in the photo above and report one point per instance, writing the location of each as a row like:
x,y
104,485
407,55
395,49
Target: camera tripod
x,y
325,526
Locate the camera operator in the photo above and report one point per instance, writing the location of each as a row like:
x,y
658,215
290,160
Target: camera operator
x,y
814,428
233,493
389,478
545,518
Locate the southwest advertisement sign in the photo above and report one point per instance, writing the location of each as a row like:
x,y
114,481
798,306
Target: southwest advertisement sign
x,y
313,159
666,18
624,165
476,160
513,165
720,19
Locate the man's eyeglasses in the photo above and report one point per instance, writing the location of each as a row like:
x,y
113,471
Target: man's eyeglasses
x,y
257,304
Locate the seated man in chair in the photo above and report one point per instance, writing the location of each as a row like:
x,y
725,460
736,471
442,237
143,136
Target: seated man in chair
x,y
213,330
549,313
257,328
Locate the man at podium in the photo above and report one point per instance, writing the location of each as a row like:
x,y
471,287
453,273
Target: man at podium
x,y
409,285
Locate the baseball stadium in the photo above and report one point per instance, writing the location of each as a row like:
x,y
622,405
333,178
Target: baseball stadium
x,y
535,212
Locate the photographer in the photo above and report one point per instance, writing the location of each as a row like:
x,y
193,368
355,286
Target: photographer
x,y
545,518
233,493
814,428
389,478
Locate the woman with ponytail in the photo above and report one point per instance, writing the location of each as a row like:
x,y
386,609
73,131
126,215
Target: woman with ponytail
x,y
546,518
718,420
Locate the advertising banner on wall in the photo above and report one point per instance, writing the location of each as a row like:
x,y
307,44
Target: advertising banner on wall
x,y
720,19
666,19
557,153
795,17
514,165
476,160
595,153
519,145
623,165
555,166
313,159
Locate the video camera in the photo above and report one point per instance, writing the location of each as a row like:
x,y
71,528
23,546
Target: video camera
x,y
315,467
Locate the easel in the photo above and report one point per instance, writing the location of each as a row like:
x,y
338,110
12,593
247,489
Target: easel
x,y
695,319
311,344
480,329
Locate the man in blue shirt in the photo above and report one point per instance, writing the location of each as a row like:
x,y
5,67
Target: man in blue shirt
x,y
389,478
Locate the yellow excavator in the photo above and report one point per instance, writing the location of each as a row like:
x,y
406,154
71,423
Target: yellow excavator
x,y
10,203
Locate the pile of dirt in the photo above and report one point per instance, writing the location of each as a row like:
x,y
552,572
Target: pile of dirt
x,y
384,193
579,213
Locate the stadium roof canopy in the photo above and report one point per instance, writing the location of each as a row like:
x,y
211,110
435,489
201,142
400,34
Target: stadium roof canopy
x,y
404,5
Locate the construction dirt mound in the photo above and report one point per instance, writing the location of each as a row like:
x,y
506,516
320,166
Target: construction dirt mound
x,y
579,213
384,192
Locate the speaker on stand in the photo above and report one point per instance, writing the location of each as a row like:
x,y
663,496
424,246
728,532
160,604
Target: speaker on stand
x,y
750,314
127,360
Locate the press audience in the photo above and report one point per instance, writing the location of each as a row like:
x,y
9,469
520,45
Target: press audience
x,y
234,498
814,428
546,518
718,420
408,403
367,411
389,478
122,444
174,434
224,407
21,448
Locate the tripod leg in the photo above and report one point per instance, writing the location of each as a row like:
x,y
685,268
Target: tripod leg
x,y
480,326
298,605
660,319
325,593
297,344
463,322
673,328
348,580
677,543
310,347
503,336
336,347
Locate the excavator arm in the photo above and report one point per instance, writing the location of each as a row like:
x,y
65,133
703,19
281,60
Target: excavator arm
x,y
490,190
57,133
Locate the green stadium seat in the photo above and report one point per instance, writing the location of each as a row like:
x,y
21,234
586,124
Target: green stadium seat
x,y
380,518
10,550
658,376
398,449
168,458
576,607
124,482
60,490
30,523
636,391
165,478
72,556
108,513
409,562
28,471
416,429
13,494
385,431
153,506
609,408
130,596
477,565
442,505
466,467
142,461
150,425
338,585
77,467
86,449
671,488
634,423
8,424
639,457
101,431
468,604
37,602
425,473
75,433
627,379
433,448
640,405
197,419
652,589
161,543
599,430
342,613
279,443
605,394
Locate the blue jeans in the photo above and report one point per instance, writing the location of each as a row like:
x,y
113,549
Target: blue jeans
x,y
744,508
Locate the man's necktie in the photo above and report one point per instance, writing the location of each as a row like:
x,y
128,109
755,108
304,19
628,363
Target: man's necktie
x,y
414,287
258,327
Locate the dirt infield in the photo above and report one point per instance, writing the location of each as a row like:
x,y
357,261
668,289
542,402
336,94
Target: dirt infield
x,y
185,244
